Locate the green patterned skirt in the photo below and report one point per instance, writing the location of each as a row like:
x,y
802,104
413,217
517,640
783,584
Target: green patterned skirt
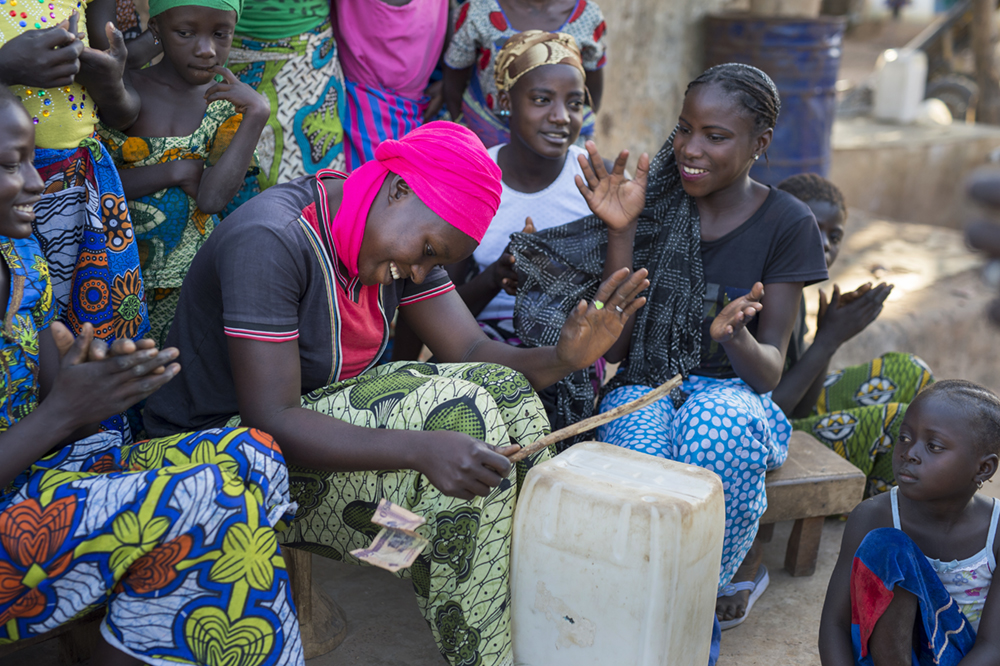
x,y
860,410
462,579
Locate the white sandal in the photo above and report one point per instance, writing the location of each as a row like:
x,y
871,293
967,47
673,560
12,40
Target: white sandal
x,y
756,587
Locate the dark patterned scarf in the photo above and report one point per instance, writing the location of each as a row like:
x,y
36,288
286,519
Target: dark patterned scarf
x,y
559,266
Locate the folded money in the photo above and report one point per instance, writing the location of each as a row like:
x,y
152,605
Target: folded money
x,y
397,545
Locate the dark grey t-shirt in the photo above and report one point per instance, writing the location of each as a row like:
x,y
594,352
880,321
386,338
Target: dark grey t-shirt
x,y
263,275
781,242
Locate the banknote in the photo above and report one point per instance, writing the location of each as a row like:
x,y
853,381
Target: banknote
x,y
397,545
388,514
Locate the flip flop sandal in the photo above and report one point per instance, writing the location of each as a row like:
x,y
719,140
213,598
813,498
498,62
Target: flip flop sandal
x,y
756,587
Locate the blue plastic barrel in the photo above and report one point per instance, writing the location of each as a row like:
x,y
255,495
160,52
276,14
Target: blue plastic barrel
x,y
802,56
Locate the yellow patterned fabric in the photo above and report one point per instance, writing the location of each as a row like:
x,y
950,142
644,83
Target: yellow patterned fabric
x,y
64,116
533,48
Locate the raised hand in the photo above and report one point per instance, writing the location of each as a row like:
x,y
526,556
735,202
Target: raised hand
x,y
842,318
47,58
461,466
593,327
109,65
612,197
737,314
247,101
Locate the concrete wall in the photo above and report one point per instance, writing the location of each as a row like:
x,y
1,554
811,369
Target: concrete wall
x,y
654,50
909,173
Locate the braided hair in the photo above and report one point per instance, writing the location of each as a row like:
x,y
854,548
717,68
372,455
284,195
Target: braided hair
x,y
755,89
980,404
813,187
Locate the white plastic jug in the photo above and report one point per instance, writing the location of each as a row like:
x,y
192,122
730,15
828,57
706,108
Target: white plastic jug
x,y
900,84
615,560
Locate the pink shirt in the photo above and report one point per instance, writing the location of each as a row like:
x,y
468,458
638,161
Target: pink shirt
x,y
396,48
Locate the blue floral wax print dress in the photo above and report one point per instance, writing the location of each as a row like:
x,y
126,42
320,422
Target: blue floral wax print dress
x,y
175,535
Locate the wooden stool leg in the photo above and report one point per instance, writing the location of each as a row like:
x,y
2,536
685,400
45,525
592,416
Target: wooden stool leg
x,y
803,546
321,620
765,533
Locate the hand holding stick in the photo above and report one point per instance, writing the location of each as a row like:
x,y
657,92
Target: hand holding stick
x,y
597,420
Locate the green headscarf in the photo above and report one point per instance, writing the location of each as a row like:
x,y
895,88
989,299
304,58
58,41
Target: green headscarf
x,y
160,6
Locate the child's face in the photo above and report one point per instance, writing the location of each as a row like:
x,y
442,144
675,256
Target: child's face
x,y
831,221
195,39
935,456
20,184
546,108
715,142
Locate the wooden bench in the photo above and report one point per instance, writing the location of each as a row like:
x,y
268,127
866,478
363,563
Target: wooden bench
x,y
321,620
812,484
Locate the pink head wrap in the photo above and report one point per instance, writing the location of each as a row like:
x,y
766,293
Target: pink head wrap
x,y
449,170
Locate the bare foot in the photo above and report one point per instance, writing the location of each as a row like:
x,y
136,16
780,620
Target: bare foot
x,y
734,607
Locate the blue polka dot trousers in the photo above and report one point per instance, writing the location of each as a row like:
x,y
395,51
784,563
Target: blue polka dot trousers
x,y
724,427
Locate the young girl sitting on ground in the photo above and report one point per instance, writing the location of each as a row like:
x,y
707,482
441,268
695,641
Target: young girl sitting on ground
x,y
175,535
481,29
912,584
714,242
856,411
187,153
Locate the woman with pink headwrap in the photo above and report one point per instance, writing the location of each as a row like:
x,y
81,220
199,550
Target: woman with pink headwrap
x,y
283,316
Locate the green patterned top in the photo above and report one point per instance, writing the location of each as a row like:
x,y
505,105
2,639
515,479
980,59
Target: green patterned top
x,y
268,20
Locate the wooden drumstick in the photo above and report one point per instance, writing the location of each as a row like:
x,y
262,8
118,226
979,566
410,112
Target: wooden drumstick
x,y
599,419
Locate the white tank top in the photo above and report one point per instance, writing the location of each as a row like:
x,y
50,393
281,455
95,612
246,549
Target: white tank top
x,y
559,203
968,580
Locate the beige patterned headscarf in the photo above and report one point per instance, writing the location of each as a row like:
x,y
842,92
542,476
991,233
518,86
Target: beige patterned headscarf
x,y
533,48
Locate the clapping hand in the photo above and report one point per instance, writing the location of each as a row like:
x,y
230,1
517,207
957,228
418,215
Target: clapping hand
x,y
737,314
592,328
846,315
48,58
96,381
109,65
612,197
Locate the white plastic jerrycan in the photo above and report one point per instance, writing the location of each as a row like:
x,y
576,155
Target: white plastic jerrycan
x,y
615,560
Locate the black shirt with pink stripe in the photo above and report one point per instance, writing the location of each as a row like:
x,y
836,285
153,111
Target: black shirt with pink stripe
x,y
268,272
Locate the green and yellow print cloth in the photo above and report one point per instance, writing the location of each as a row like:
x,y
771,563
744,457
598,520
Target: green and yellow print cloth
x,y
462,578
169,226
860,410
